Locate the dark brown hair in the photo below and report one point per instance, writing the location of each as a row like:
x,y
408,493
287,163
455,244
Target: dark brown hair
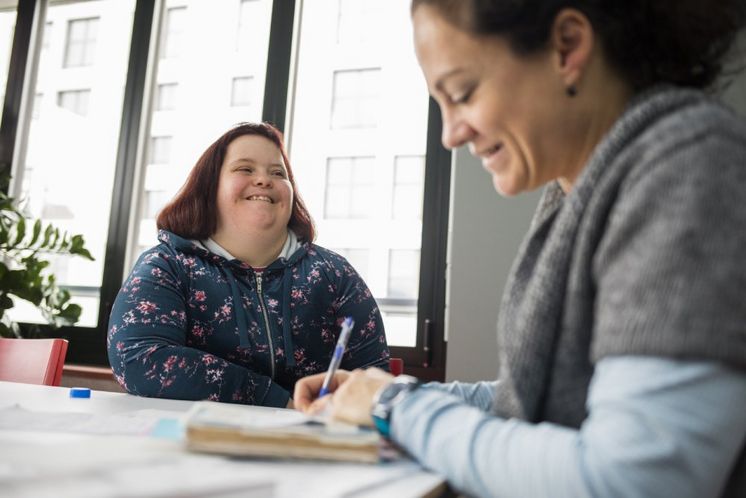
x,y
192,214
682,42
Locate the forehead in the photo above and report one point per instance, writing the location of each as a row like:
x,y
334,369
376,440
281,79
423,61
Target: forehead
x,y
441,47
254,147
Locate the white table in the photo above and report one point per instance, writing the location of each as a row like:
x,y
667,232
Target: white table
x,y
52,445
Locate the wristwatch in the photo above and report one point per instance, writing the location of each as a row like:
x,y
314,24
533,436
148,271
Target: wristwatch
x,y
388,397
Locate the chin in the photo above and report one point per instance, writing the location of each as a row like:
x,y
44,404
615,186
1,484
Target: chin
x,y
505,187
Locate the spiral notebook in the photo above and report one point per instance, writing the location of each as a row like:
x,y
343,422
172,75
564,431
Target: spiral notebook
x,y
252,431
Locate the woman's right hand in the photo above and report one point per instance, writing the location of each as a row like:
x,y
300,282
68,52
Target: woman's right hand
x,y
307,390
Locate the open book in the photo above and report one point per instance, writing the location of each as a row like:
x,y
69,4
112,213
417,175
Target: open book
x,y
273,432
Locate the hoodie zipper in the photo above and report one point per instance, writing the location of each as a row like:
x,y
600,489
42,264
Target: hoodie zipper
x,y
266,324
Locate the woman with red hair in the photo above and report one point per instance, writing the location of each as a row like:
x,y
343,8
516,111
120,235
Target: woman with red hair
x,y
236,303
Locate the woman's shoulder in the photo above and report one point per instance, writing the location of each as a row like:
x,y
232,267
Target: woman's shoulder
x,y
701,142
315,252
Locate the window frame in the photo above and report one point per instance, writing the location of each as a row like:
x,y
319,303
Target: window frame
x,y
87,57
88,344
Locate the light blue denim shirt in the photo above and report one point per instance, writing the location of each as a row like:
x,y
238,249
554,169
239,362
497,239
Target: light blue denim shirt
x,y
656,427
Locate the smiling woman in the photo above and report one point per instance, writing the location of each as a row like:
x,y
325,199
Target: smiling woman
x,y
236,303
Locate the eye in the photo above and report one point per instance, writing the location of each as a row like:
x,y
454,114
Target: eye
x,y
279,172
462,98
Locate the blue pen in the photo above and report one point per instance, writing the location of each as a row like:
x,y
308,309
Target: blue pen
x,y
339,350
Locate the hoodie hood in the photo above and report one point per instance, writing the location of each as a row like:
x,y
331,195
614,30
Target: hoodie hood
x,y
291,253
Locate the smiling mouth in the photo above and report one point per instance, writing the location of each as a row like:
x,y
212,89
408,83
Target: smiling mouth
x,y
487,153
263,198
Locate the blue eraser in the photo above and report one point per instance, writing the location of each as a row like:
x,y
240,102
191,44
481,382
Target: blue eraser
x,y
80,392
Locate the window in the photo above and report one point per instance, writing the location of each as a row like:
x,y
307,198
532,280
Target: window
x,y
173,32
47,37
75,101
7,29
359,130
349,187
166,98
404,270
409,179
36,111
355,98
160,150
198,67
154,202
361,125
242,91
81,42
66,171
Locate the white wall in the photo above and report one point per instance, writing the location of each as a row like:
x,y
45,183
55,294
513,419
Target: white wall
x,y
485,231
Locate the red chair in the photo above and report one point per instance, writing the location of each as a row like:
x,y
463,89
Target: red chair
x,y
396,366
32,361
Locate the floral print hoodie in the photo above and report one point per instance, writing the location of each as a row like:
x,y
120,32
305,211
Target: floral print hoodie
x,y
190,324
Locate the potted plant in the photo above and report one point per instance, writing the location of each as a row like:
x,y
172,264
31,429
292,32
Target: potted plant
x,y
23,272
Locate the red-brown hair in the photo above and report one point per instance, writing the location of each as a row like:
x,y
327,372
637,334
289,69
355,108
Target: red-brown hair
x,y
192,214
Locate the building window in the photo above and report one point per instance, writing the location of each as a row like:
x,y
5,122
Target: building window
x,y
160,150
46,36
166,97
36,109
74,101
349,187
154,202
355,96
172,34
81,42
241,91
409,180
404,271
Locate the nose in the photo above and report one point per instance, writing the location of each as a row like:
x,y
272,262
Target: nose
x,y
456,132
262,179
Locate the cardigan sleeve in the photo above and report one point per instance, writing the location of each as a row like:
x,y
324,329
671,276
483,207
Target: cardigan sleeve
x,y
147,346
652,430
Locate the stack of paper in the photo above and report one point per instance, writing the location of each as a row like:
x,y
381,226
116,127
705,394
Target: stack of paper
x,y
267,432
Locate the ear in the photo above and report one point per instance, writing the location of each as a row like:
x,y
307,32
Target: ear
x,y
572,41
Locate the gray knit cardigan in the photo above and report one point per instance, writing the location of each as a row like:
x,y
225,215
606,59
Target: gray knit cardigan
x,y
645,256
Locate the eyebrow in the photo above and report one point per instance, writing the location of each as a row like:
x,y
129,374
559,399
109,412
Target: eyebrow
x,y
443,77
252,161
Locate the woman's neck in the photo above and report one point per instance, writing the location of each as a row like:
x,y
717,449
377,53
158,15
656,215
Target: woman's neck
x,y
256,250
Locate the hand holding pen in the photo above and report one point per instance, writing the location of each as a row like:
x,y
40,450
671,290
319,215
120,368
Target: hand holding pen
x,y
339,351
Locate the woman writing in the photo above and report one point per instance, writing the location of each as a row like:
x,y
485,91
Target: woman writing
x,y
621,332
236,303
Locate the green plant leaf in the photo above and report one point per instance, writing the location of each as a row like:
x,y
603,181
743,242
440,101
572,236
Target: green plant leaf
x,y
47,233
20,231
36,232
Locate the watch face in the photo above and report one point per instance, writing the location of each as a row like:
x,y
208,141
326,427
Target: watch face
x,y
400,384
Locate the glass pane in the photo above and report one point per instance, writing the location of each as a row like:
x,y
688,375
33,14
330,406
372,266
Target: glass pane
x,y
67,173
7,29
209,75
357,144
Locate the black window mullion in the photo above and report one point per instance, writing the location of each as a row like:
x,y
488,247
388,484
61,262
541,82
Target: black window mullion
x,y
126,163
427,359
277,79
19,58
